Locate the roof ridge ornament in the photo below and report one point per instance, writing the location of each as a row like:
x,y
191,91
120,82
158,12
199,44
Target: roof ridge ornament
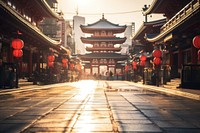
x,y
103,16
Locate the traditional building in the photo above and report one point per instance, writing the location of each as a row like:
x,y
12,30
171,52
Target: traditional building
x,y
103,57
19,20
174,38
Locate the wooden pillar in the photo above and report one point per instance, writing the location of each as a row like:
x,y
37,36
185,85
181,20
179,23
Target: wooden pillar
x,y
98,69
90,67
171,56
180,57
30,64
10,54
38,62
194,56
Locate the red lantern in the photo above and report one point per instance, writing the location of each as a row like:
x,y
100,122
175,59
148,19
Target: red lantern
x,y
196,41
51,58
156,60
78,66
143,57
17,53
142,63
157,53
17,44
134,63
126,68
65,61
50,63
71,66
64,65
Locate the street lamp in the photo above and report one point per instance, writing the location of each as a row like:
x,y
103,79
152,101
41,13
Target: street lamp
x,y
17,45
157,61
196,43
142,64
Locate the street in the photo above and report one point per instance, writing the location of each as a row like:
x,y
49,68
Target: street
x,y
91,106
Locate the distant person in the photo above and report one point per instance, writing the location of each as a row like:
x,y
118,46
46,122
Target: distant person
x,y
111,75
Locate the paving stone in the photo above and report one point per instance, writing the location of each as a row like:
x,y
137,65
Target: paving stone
x,y
129,117
93,128
173,124
13,127
139,128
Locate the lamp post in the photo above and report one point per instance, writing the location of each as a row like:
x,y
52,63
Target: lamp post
x,y
157,61
65,67
126,71
17,45
142,64
134,65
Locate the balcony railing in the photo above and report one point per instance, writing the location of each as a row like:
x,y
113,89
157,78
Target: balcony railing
x,y
181,15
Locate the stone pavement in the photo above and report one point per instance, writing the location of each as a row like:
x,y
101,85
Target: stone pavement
x,y
170,88
121,107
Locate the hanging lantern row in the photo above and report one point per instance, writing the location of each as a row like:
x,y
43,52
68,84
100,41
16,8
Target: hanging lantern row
x,y
17,45
64,62
51,59
157,54
196,43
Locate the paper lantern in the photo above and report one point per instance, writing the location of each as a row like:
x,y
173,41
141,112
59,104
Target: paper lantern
x,y
196,41
17,44
50,63
143,57
64,65
156,61
142,63
51,58
157,53
134,63
71,66
126,68
65,61
17,53
78,66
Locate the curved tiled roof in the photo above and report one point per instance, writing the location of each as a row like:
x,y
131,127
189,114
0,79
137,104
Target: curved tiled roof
x,y
115,40
103,24
15,21
103,56
148,25
190,11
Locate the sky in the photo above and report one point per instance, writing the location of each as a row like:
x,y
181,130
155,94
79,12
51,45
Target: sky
x,y
122,12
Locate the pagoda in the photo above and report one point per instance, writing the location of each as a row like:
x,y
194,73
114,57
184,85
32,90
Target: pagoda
x,y
103,54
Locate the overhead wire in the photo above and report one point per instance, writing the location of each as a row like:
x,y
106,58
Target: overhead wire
x,y
108,13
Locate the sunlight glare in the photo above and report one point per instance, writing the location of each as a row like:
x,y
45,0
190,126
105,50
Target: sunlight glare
x,y
86,87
